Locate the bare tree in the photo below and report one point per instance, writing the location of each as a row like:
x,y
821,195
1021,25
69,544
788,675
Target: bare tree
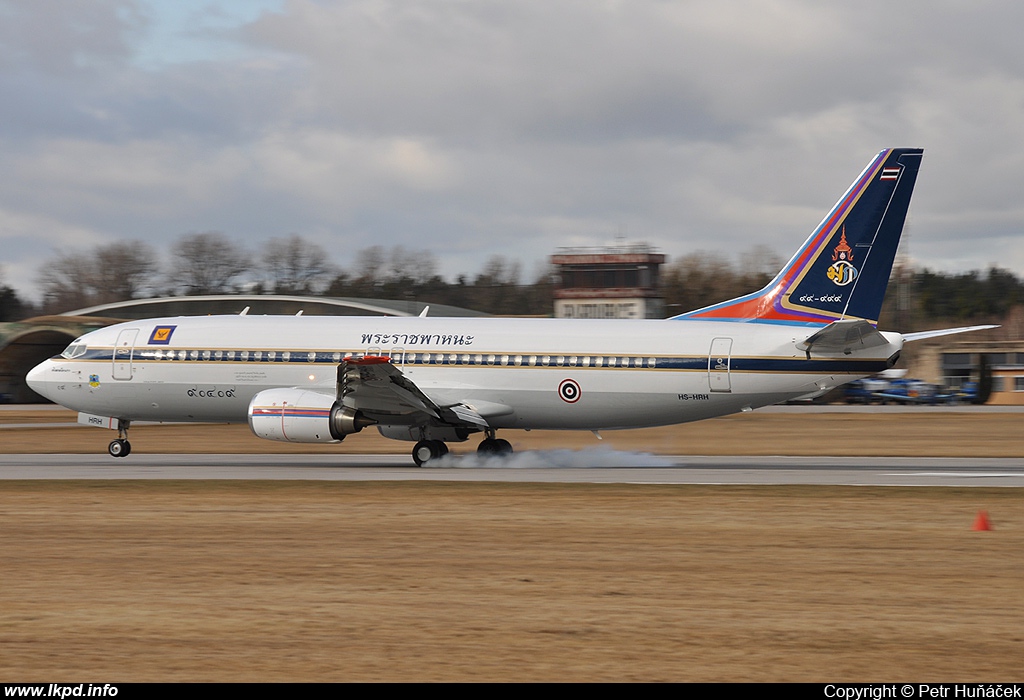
x,y
65,281
496,288
294,265
124,270
110,273
411,266
759,265
699,279
369,265
207,263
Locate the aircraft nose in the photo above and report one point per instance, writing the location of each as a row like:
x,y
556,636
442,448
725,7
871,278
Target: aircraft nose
x,y
38,379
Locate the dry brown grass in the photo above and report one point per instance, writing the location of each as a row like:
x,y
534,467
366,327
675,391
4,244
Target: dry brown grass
x,y
326,581
939,434
329,581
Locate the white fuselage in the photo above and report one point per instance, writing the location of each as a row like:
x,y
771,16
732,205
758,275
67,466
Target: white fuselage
x,y
519,373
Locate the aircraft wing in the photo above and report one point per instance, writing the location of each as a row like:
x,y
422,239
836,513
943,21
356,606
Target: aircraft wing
x,y
372,385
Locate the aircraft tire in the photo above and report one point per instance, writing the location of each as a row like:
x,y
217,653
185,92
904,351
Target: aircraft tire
x,y
494,447
119,448
422,452
426,450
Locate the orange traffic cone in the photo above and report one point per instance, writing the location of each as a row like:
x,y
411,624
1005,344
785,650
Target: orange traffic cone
x,y
982,522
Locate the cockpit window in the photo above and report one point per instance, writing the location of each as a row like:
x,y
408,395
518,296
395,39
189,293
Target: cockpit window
x,y
76,349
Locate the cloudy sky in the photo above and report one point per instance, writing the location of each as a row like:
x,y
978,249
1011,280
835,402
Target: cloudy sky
x,y
482,127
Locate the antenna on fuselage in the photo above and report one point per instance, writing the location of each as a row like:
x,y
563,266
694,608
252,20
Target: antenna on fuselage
x,y
245,312
423,314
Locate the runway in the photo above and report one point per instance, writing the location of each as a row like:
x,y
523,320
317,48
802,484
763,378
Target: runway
x,y
550,466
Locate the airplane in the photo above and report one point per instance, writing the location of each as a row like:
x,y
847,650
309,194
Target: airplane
x,y
432,381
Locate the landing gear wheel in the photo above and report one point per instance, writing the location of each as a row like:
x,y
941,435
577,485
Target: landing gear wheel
x,y
494,446
426,450
119,448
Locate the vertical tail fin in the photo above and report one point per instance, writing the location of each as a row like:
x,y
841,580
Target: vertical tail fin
x,y
842,270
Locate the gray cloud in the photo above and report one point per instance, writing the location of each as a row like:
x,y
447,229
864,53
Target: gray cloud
x,y
487,127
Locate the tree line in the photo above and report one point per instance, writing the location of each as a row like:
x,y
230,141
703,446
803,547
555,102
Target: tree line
x,y
212,263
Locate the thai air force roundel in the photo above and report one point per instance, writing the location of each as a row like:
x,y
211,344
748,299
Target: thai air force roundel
x,y
569,391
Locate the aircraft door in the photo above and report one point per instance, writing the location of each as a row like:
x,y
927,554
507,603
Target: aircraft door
x,y
719,359
123,351
397,356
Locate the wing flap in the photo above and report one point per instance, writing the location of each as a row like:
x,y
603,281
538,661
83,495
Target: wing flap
x,y
468,415
489,409
374,386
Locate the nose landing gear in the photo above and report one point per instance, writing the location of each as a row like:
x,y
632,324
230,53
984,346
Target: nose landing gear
x,y
121,447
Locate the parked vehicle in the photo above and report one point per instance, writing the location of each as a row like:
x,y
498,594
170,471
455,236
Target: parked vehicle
x,y
877,390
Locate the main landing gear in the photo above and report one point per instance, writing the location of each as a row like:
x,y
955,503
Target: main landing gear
x,y
121,447
492,446
426,450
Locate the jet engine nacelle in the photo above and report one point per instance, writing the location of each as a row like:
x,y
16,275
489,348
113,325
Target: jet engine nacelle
x,y
298,415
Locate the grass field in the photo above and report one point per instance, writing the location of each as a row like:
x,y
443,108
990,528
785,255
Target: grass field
x,y
345,581
334,581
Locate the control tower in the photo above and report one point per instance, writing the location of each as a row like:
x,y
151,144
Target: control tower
x,y
620,281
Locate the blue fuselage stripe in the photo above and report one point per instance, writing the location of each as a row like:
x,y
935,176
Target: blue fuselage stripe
x,y
564,361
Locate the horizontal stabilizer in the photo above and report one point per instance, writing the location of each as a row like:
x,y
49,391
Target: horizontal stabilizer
x,y
924,335
844,336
